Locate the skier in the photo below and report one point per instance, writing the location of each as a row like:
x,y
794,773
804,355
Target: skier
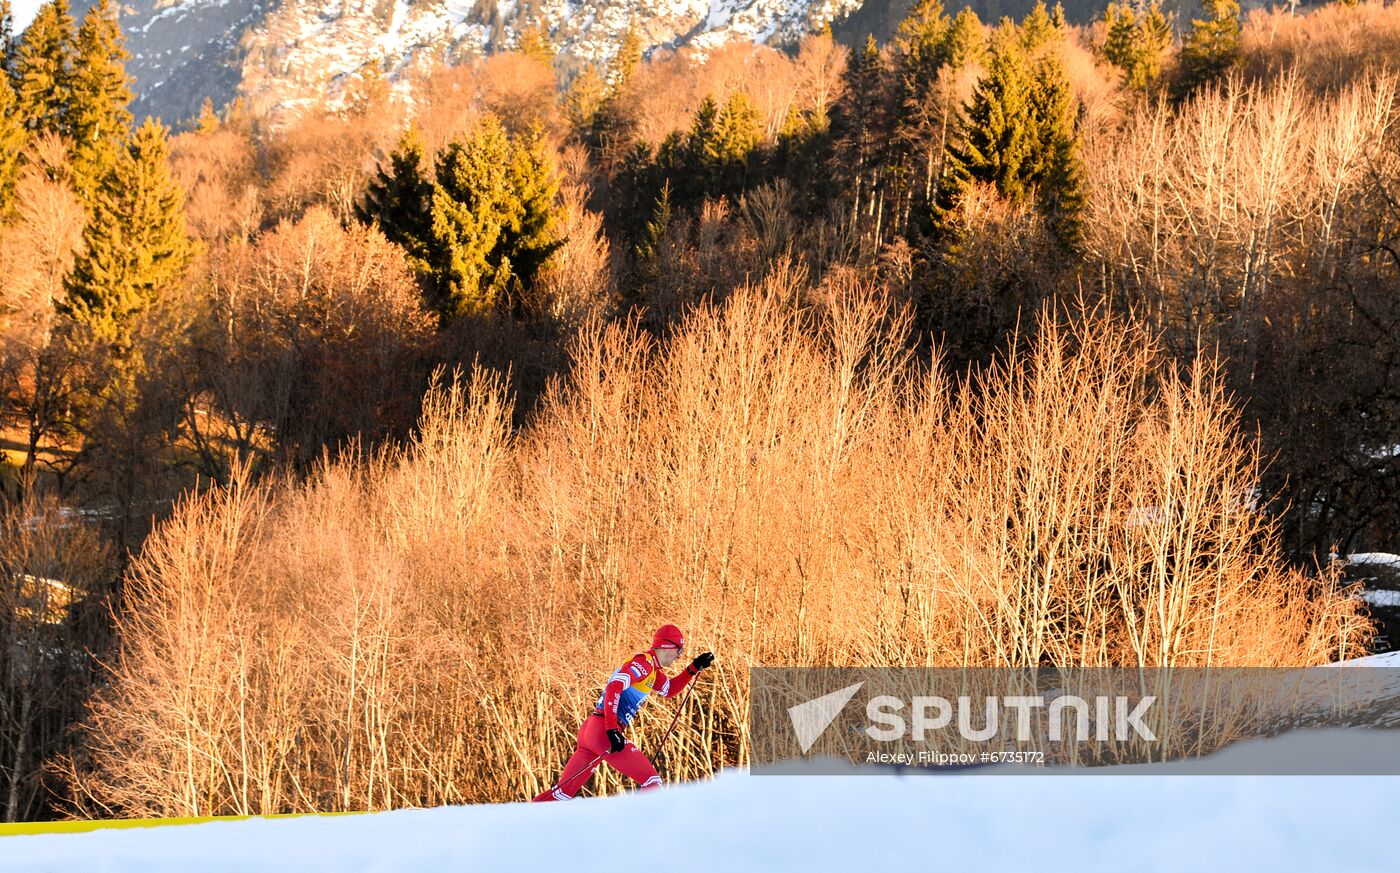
x,y
600,737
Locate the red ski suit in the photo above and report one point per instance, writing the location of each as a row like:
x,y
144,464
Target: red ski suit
x,y
624,694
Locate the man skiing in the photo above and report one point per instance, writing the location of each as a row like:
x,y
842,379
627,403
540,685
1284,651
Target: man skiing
x,y
600,737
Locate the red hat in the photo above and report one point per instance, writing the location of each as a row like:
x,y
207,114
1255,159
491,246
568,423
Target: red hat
x,y
668,636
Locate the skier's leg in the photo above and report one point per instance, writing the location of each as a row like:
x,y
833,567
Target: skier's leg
x,y
592,740
631,762
580,767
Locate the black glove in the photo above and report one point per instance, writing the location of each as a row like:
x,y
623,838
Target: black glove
x,y
701,662
615,741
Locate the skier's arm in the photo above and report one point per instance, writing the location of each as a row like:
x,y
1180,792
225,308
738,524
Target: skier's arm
x,y
612,694
673,686
670,687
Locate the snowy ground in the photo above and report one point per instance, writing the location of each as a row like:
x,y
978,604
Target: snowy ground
x,y
1379,572
1164,821
1159,817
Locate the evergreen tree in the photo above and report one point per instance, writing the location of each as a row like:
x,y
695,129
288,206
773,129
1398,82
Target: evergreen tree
x,y
1020,136
1212,47
1038,27
999,138
583,100
722,145
628,58
862,127
615,123
920,45
801,155
1120,35
482,228
1155,27
398,200
646,254
467,206
13,137
965,42
1135,42
534,43
135,242
98,116
12,133
208,120
528,236
637,184
44,67
1058,172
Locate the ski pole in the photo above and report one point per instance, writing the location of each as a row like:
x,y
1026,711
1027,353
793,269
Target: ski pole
x,y
675,718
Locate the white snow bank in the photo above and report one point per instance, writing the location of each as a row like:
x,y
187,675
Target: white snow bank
x,y
1381,597
1384,659
1383,559
1166,821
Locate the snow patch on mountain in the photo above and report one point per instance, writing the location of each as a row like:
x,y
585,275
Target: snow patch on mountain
x,y
311,51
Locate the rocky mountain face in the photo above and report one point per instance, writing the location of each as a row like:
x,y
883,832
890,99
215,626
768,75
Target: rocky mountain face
x,y
284,55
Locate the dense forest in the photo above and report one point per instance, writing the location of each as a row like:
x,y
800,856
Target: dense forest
x,y
339,448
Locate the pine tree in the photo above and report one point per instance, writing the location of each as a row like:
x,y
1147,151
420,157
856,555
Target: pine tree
x,y
398,200
646,254
729,155
1058,170
481,228
534,43
1136,42
740,129
98,116
615,123
628,58
583,100
965,42
999,135
207,120
13,137
467,202
1156,29
801,156
638,182
1212,47
44,67
920,42
12,133
1021,137
527,229
863,128
135,242
1038,27
1120,35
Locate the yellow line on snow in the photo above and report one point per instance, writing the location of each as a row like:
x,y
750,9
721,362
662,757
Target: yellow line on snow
x,y
77,826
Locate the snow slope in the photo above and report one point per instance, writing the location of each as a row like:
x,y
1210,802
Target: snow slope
x,y
285,55
1156,818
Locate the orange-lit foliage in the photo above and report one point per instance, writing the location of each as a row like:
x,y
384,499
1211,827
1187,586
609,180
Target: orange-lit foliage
x,y
782,481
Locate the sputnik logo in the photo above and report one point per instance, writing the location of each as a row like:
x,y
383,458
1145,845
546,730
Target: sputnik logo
x,y
810,719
